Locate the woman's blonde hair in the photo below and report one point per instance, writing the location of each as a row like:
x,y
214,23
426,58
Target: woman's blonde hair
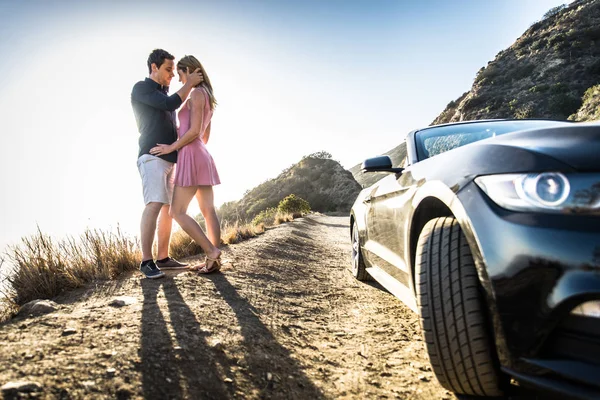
x,y
190,64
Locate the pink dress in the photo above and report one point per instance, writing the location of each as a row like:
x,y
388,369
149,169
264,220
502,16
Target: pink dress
x,y
195,165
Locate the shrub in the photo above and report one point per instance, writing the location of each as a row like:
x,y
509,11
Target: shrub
x,y
522,71
523,112
554,11
292,204
265,217
563,105
538,44
322,155
594,68
539,88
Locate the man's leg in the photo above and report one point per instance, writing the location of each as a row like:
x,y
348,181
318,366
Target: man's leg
x,y
148,228
165,222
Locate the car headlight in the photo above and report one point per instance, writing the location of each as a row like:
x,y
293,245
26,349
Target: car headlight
x,y
545,191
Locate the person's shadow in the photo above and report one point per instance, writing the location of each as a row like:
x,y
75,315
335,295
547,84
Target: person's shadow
x,y
258,341
183,365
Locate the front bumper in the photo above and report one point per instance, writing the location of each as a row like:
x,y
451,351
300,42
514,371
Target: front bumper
x,y
535,269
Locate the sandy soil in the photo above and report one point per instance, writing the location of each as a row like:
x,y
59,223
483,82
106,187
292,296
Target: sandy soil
x,y
284,320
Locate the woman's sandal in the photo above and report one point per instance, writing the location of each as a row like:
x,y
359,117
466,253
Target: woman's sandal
x,y
215,266
198,266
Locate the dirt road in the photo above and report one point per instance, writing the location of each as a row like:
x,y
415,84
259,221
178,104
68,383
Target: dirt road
x,y
284,320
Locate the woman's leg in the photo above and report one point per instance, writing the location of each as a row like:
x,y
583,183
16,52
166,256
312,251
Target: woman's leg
x,y
205,197
181,200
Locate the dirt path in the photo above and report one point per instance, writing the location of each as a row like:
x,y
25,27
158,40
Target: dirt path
x,y
285,320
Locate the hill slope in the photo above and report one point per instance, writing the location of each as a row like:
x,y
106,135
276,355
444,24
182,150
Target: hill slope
x,y
318,179
544,74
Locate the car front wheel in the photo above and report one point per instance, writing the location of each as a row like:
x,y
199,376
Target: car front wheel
x,y
453,313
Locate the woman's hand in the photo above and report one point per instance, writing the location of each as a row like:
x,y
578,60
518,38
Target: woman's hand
x,y
161,149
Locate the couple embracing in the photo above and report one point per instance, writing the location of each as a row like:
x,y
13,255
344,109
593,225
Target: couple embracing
x,y
174,164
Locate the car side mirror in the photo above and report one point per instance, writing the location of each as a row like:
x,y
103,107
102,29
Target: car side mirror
x,y
379,164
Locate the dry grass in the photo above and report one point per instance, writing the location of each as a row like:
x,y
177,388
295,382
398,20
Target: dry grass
x,y
43,268
8,308
183,246
236,233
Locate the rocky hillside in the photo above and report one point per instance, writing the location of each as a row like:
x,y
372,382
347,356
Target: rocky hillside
x,y
318,179
590,109
544,74
551,71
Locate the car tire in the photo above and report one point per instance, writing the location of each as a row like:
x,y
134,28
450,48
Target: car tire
x,y
452,310
359,269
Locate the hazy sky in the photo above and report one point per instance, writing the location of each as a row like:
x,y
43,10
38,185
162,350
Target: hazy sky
x,y
291,78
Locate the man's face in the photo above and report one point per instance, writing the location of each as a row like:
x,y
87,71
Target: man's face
x,y
164,74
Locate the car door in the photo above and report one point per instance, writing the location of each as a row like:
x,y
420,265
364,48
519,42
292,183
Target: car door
x,y
386,224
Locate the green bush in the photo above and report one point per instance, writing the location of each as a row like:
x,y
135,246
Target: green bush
x,y
522,71
563,105
524,112
539,88
321,155
265,217
293,204
554,11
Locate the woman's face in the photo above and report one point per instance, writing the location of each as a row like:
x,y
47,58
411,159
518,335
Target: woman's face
x,y
182,76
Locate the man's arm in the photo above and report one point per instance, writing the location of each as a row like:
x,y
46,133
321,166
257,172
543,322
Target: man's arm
x,y
155,98
193,79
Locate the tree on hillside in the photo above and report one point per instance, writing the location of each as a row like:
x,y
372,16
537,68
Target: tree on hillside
x,y
554,10
323,155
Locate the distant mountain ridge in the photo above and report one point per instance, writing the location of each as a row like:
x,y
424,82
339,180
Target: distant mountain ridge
x,y
551,72
318,179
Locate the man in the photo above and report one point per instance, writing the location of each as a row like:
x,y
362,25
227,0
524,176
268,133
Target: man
x,y
154,112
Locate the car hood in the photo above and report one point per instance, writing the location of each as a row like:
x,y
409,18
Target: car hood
x,y
577,145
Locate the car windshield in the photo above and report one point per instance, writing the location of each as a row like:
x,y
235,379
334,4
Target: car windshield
x,y
436,140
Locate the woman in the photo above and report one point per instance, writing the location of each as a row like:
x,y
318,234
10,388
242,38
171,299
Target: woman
x,y
195,173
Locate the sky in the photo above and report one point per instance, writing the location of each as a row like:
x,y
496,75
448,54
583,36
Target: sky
x,y
291,78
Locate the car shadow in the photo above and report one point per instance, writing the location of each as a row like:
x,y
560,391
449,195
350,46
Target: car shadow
x,y
515,392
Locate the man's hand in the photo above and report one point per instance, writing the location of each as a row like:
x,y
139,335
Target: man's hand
x,y
195,77
161,149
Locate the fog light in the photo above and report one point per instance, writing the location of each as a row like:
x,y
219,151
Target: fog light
x,y
589,309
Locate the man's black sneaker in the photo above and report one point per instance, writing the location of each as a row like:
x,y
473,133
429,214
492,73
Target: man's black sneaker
x,y
170,263
150,270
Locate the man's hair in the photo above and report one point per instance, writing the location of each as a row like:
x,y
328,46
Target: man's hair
x,y
158,57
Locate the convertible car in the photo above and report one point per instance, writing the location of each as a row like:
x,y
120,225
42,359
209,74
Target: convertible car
x,y
490,232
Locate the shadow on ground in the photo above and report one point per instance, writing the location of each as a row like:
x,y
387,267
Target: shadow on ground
x,y
177,360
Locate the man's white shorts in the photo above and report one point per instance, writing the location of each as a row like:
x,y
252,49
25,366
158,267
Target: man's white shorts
x,y
157,179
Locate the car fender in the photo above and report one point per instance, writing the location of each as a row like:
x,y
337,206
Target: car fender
x,y
440,191
359,209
